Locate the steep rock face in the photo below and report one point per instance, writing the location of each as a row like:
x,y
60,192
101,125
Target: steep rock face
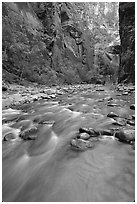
x,y
24,52
57,42
127,35
41,43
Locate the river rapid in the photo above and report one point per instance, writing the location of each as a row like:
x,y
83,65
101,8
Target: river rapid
x,y
48,169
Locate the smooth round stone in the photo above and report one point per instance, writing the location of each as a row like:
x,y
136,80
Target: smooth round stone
x,y
84,136
125,135
9,136
112,115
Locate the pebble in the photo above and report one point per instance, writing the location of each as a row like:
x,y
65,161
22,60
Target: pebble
x,y
112,115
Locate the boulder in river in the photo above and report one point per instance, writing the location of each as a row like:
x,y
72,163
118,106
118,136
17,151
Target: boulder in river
x,y
125,135
92,132
30,134
80,144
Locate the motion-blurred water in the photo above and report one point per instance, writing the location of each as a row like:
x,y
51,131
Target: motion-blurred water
x,y
49,170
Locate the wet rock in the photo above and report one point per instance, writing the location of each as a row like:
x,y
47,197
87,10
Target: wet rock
x,y
119,121
52,96
82,145
133,144
132,88
84,136
132,107
112,115
30,134
45,96
108,98
112,104
35,98
125,135
130,122
125,93
101,100
99,82
4,88
9,136
99,89
90,131
118,94
107,132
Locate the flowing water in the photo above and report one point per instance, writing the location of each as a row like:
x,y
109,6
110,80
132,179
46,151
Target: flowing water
x,y
49,169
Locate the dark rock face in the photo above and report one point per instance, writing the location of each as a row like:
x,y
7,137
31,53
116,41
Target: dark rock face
x,y
127,36
51,48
